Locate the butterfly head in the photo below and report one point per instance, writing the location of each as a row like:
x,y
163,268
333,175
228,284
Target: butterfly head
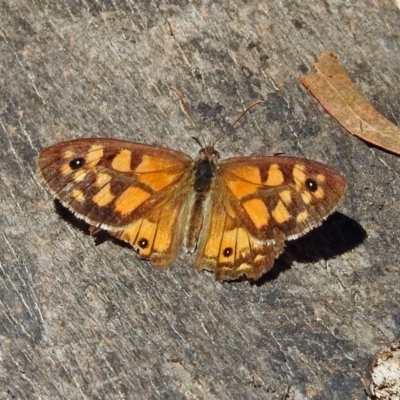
x,y
208,151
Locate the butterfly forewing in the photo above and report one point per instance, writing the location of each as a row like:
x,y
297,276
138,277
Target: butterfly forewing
x,y
112,182
286,193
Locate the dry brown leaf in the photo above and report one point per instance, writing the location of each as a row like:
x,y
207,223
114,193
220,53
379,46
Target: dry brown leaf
x,y
332,87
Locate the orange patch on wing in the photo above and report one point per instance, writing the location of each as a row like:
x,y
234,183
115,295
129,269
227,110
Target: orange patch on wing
x,y
299,175
247,173
275,176
68,154
157,180
243,243
212,248
280,213
302,216
319,193
79,176
286,196
242,240
78,195
257,211
244,267
214,238
321,178
306,197
94,155
130,199
154,163
130,232
104,196
122,161
165,229
259,258
163,239
241,188
65,169
102,179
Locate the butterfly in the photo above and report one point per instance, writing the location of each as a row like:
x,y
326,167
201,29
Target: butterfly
x,y
235,214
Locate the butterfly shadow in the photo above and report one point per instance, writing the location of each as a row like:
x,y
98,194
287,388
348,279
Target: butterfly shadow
x,y
337,235
100,236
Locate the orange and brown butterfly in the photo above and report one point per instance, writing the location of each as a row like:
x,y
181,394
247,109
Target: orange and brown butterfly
x,y
235,214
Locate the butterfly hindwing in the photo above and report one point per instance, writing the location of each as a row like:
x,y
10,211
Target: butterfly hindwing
x,y
228,249
158,235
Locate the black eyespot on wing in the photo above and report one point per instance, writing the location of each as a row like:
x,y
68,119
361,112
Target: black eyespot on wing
x,y
311,185
77,163
227,252
143,243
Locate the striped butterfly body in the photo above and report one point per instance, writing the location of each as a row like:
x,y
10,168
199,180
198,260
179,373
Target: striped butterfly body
x,y
234,214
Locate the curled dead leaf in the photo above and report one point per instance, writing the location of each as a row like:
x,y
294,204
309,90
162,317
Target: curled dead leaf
x,y
333,88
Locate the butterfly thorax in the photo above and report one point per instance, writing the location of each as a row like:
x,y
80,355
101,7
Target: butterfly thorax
x,y
204,168
203,174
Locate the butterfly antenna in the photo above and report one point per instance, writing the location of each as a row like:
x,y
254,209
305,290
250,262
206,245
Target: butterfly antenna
x,y
185,107
256,103
197,140
201,142
213,147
